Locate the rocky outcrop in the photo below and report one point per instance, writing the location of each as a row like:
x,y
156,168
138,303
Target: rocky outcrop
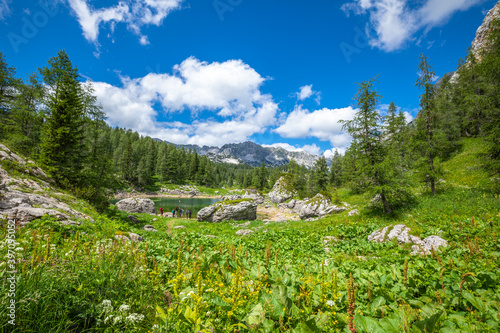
x,y
149,227
401,233
228,210
136,205
282,190
319,206
481,41
259,199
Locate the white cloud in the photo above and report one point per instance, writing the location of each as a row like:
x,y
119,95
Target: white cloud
x,y
322,124
229,90
331,152
408,116
311,149
395,22
306,92
134,13
4,9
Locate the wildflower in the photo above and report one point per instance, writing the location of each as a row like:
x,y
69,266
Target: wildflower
x,y
108,318
19,249
117,320
106,304
155,327
330,303
134,318
123,308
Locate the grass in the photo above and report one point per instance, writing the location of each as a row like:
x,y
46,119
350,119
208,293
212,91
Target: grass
x,y
179,280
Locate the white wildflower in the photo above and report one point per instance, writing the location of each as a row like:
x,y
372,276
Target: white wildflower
x,y
117,320
330,303
123,308
208,313
106,305
155,327
108,318
134,318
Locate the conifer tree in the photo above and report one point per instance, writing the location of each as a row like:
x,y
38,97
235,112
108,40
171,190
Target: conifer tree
x,y
62,150
427,136
375,175
320,174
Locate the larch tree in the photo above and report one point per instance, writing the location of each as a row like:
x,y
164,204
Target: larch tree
x,y
368,147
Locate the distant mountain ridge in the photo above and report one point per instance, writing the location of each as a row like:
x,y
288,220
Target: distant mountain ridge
x,y
253,154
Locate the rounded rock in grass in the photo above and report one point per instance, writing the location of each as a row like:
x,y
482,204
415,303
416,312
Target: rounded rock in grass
x,y
136,205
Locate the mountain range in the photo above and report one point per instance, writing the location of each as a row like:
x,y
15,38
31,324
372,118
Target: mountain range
x,y
253,154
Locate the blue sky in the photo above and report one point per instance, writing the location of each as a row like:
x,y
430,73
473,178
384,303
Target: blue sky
x,y
213,72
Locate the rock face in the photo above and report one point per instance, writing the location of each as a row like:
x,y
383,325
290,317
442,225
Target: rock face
x,y
354,212
136,205
226,211
402,233
318,206
281,191
480,42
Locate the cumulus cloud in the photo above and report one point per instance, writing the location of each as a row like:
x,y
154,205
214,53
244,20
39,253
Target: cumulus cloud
x,y
322,124
134,13
394,22
306,92
4,9
229,90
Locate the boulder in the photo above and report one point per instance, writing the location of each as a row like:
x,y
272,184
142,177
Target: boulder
x,y
227,210
149,227
179,227
244,232
282,190
318,206
429,244
133,219
136,205
354,212
401,233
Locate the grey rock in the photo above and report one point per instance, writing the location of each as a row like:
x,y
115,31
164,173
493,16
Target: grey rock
x,y
133,219
179,227
135,237
122,238
329,239
429,244
2,147
281,191
281,219
318,206
149,227
18,159
136,205
220,211
354,212
244,232
243,225
210,236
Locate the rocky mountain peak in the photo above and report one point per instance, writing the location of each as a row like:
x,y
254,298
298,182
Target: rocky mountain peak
x,y
480,42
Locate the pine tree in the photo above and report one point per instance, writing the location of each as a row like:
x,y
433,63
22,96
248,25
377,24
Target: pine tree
x,y
62,150
8,87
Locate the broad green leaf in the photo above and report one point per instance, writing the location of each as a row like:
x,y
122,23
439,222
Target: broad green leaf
x,y
161,313
377,304
256,315
431,324
475,301
367,324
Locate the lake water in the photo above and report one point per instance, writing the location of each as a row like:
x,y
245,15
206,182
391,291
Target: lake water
x,y
195,204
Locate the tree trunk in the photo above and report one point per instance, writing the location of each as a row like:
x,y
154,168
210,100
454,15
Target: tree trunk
x,y
387,209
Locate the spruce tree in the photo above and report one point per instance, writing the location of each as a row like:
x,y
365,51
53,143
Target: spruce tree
x,y
320,174
62,149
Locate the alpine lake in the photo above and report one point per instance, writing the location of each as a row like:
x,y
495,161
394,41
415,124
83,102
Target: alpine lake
x,y
169,203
